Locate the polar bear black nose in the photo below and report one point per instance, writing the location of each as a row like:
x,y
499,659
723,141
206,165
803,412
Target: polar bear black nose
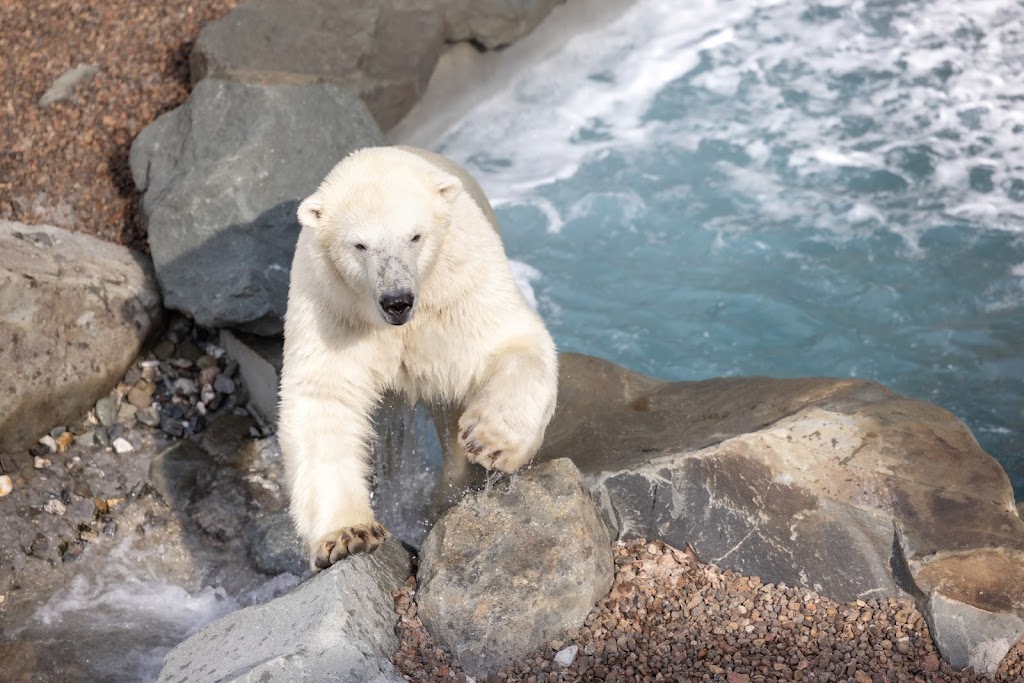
x,y
397,306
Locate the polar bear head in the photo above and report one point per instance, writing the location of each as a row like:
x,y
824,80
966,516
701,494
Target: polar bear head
x,y
381,217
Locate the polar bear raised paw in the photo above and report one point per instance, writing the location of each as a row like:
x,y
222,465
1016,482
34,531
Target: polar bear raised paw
x,y
338,545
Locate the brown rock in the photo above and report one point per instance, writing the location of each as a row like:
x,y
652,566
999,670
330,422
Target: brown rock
x,y
75,311
837,485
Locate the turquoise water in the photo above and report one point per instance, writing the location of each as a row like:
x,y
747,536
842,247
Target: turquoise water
x,y
779,188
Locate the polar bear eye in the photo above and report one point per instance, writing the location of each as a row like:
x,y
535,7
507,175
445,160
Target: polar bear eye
x,y
416,238
361,247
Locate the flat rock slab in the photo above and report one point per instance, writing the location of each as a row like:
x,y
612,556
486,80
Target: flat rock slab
x,y
338,626
382,52
838,485
222,177
505,571
74,313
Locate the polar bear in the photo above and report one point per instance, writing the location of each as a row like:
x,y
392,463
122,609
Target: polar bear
x,y
400,283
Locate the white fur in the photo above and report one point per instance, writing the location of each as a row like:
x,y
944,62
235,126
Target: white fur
x,y
473,342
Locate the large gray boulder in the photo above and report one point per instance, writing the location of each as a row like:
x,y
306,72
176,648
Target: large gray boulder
x,y
383,52
339,626
222,176
507,570
838,485
74,313
493,23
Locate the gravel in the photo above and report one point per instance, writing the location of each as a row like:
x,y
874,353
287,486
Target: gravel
x,y
67,163
669,617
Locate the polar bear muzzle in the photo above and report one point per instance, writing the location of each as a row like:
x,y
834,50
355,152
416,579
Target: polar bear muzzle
x,y
397,307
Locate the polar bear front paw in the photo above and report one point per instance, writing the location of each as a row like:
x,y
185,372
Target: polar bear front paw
x,y
492,444
337,545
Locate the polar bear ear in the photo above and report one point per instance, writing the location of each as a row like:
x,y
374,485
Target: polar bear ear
x,y
448,186
310,210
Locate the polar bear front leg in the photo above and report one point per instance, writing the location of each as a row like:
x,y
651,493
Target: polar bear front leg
x,y
326,455
504,422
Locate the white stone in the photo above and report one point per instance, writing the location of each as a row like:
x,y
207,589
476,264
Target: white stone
x,y
49,442
39,462
566,656
55,507
6,485
122,445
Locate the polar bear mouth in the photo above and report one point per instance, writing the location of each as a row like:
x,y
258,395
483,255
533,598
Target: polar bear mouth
x,y
396,308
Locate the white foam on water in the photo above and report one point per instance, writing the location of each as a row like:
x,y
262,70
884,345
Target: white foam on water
x,y
590,96
121,610
524,275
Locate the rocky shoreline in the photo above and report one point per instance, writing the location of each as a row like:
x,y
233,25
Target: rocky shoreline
x,y
761,530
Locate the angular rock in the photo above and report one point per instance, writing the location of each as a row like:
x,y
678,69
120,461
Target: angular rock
x,y
74,313
275,548
338,626
493,23
259,364
222,176
181,473
974,604
504,572
839,485
382,52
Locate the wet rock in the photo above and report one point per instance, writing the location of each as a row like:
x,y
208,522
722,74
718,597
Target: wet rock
x,y
382,52
106,411
180,473
837,485
274,546
259,362
504,572
89,303
64,87
493,23
338,626
222,177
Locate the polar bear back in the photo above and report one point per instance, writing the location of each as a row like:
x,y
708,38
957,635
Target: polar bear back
x,y
468,182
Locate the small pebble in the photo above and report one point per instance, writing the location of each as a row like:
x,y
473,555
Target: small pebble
x,y
40,462
224,384
106,411
184,386
163,350
206,362
6,485
567,656
57,431
55,507
126,413
149,417
102,437
122,446
64,442
49,442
